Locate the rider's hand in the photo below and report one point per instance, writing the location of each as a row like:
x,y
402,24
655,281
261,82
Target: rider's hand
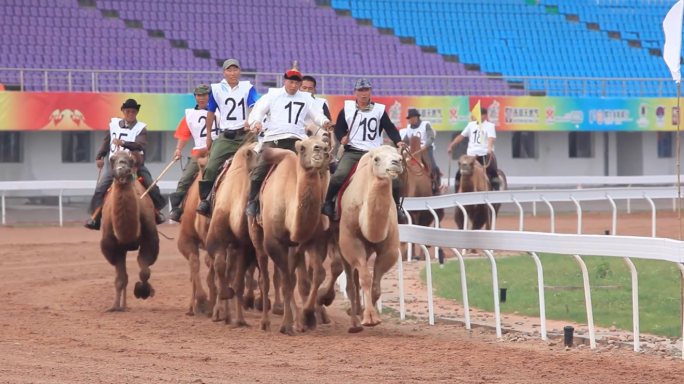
x,y
246,126
401,145
489,152
99,163
449,150
177,154
344,141
257,128
329,126
117,142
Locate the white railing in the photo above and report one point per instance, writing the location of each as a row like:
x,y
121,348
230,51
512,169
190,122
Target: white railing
x,y
627,247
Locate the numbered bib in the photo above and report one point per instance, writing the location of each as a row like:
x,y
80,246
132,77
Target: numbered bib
x,y
197,123
364,127
232,103
123,134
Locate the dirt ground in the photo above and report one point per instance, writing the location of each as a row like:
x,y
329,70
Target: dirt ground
x,y
55,287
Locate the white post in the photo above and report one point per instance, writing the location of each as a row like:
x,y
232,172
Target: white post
x,y
495,288
579,215
629,202
428,277
587,300
400,272
61,213
434,215
612,204
464,287
4,222
409,249
491,208
534,204
552,214
522,214
465,218
681,269
653,215
542,302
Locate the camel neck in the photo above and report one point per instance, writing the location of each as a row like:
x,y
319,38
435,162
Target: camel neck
x,y
378,204
125,212
308,200
467,184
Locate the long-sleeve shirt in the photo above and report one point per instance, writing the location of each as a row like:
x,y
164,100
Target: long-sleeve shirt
x,y
429,133
342,128
139,144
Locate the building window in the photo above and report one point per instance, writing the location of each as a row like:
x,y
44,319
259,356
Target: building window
x,y
76,147
665,143
524,145
581,145
459,149
154,148
10,147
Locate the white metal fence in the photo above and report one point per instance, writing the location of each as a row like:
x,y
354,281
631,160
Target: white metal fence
x,y
627,247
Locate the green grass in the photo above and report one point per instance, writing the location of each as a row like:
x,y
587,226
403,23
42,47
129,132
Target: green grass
x,y
659,302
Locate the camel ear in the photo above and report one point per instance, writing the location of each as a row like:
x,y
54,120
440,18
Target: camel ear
x,y
298,145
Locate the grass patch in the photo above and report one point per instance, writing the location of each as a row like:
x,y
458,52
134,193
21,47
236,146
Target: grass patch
x,y
659,303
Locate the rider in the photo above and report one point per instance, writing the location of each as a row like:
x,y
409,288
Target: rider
x,y
424,130
234,99
288,108
309,85
480,145
128,134
359,128
192,125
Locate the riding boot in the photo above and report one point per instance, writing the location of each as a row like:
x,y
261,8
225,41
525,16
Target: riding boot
x,y
328,207
496,183
94,223
159,217
457,181
205,187
401,216
176,199
253,203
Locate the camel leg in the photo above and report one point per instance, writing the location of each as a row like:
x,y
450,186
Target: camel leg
x,y
352,293
209,261
277,301
120,283
262,259
248,300
278,252
326,294
354,252
198,300
239,286
143,289
315,254
221,277
384,261
303,279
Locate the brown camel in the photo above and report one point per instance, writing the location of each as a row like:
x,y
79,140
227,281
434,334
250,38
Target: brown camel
x,y
418,183
228,241
368,223
128,224
474,179
191,239
290,201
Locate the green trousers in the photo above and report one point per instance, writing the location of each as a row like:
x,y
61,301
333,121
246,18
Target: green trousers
x,y
186,179
261,170
223,149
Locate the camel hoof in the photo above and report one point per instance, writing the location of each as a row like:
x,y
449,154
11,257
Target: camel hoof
x,y
116,309
259,304
248,303
325,297
354,329
265,326
219,313
242,323
226,294
278,310
142,290
287,330
371,320
325,318
190,313
309,319
200,306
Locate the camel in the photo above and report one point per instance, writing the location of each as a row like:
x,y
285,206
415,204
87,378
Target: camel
x,y
368,223
418,183
128,224
228,241
474,179
290,201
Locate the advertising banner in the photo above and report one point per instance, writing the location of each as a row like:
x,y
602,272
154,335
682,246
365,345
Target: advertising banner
x,y
65,111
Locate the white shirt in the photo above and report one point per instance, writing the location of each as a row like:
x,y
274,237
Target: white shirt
x,y
197,124
232,103
123,134
478,138
363,125
288,114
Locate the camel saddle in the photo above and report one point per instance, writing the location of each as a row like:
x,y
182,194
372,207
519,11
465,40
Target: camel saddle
x,y
224,169
263,185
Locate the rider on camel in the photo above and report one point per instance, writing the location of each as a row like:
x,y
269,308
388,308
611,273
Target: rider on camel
x,y
481,145
424,130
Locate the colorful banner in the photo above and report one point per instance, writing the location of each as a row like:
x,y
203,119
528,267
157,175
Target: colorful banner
x,y
67,111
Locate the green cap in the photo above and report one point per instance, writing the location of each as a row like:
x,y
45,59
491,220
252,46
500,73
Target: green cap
x,y
202,89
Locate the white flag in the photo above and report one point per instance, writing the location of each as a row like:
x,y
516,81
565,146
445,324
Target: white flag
x,y
672,51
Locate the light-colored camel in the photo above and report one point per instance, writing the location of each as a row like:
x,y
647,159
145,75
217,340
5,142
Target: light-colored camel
x,y
368,223
290,215
418,183
128,224
228,241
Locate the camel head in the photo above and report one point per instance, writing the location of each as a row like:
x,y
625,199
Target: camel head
x,y
385,162
124,165
320,133
247,153
312,153
467,165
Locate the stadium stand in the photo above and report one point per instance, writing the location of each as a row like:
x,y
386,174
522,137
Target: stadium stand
x,y
187,35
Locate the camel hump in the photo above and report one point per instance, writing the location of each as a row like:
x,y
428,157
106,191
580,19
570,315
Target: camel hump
x,y
275,155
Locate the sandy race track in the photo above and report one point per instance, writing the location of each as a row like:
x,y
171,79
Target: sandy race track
x,y
55,287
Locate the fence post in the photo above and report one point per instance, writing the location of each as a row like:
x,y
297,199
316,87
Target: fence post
x,y
587,300
61,213
465,218
522,214
552,214
653,215
409,246
681,269
434,214
400,273
495,288
3,208
579,215
464,287
428,277
491,208
542,301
